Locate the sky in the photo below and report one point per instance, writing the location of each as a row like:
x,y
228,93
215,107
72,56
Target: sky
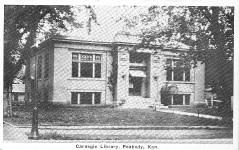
x,y
108,19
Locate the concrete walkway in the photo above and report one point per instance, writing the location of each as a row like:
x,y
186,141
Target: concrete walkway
x,y
122,127
14,134
189,114
19,134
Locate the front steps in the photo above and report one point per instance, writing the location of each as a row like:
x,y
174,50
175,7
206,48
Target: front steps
x,y
138,102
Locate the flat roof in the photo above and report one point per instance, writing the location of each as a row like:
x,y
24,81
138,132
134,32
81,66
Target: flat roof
x,y
127,40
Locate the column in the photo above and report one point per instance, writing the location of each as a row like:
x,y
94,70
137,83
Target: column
x,y
122,76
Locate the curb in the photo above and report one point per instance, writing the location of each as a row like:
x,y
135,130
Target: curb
x,y
122,127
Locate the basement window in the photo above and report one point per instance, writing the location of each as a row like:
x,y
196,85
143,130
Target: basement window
x,y
175,99
88,98
39,67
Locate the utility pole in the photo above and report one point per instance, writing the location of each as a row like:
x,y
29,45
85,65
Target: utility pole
x,y
34,131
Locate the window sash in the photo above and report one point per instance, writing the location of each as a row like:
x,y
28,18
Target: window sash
x,y
86,57
176,73
180,99
46,74
75,57
97,70
93,71
97,97
86,98
86,70
74,98
39,67
187,99
75,69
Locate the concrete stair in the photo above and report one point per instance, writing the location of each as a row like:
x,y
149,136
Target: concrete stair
x,y
138,102
163,106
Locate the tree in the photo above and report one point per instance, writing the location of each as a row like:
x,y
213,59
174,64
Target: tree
x,y
208,30
24,24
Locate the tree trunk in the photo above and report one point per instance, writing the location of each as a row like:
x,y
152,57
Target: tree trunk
x,y
222,63
27,82
27,54
9,98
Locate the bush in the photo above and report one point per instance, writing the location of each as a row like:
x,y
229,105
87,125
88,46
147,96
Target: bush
x,y
200,105
122,101
225,109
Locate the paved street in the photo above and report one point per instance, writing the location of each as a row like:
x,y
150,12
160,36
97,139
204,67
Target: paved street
x,y
193,135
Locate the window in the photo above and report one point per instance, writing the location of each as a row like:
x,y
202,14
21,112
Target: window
x,y
39,67
86,65
46,94
137,57
46,73
187,99
74,98
97,97
74,69
97,70
75,65
166,99
175,99
177,71
86,70
86,98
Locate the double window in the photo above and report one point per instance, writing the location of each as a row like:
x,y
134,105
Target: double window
x,y
46,94
39,67
46,66
176,71
176,99
86,98
86,65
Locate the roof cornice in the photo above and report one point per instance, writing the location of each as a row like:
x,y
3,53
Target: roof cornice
x,y
69,39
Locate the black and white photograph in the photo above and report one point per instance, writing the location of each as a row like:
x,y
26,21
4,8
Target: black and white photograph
x,y
118,76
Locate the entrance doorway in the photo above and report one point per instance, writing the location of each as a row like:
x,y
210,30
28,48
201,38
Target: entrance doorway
x,y
135,86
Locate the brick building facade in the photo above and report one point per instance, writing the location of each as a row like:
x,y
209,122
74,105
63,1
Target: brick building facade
x,y
80,72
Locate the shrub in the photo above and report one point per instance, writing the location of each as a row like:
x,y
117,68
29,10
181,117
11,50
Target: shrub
x,y
200,106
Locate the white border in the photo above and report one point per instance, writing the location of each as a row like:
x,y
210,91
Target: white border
x,y
126,2
234,3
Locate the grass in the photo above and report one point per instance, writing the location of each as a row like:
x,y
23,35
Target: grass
x,y
193,135
99,116
57,136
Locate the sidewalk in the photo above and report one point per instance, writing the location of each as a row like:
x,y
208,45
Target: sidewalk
x,y
190,114
19,134
11,133
122,127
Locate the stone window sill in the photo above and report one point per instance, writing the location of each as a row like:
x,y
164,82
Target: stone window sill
x,y
87,79
179,82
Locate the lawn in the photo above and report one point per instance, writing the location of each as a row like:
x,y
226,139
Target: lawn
x,y
99,116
